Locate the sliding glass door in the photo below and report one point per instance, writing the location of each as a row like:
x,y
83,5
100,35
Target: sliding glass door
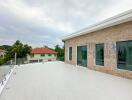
x,y
82,56
124,55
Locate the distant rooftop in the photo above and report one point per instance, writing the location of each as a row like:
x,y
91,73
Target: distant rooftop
x,y
42,51
2,50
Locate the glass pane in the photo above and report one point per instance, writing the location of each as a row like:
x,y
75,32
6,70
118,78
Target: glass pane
x,y
124,50
122,53
79,57
70,53
82,55
100,54
129,61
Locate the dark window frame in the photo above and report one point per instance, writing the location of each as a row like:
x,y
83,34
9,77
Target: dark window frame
x,y
99,58
82,51
70,54
124,62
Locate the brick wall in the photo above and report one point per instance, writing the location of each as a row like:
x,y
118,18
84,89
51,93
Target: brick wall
x,y
108,36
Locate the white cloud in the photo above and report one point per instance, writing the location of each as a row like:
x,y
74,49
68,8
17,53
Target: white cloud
x,y
35,15
43,22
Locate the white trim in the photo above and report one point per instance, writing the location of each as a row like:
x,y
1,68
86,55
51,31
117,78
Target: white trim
x,y
118,19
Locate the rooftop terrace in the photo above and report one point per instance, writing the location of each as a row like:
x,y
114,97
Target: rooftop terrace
x,y
60,81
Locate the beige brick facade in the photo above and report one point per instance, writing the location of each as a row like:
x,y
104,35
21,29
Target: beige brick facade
x,y
108,36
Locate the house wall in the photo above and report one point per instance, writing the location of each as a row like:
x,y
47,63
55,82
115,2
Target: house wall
x,y
108,36
2,54
44,58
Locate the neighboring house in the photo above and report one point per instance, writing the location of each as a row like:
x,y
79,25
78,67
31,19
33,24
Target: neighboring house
x,y
2,52
105,46
42,54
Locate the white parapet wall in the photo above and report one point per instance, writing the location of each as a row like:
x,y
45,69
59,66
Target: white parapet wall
x,y
5,79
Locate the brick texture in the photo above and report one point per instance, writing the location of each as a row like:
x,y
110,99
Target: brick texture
x,y
108,36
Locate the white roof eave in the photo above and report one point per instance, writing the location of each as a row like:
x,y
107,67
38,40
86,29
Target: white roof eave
x,y
118,19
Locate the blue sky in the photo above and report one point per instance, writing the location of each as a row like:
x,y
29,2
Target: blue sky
x,y
44,22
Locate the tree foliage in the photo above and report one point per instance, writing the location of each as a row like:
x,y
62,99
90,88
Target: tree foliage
x,y
60,52
19,48
5,47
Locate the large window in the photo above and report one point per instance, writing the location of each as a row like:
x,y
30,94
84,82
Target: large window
x,y
82,56
124,55
70,53
100,54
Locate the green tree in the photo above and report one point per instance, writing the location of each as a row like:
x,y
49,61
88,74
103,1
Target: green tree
x,y
5,47
60,52
21,49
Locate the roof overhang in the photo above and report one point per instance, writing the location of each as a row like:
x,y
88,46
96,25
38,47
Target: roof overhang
x,y
118,19
44,53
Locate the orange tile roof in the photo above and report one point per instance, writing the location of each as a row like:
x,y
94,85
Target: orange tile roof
x,y
42,51
2,50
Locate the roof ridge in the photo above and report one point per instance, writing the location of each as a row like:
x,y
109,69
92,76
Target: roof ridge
x,y
43,50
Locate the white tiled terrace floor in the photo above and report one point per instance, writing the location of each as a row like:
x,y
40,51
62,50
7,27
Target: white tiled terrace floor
x,y
60,81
